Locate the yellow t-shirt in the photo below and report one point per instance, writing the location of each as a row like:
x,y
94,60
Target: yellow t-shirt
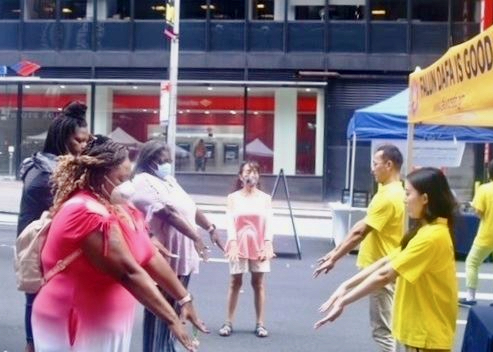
x,y
483,201
425,301
386,216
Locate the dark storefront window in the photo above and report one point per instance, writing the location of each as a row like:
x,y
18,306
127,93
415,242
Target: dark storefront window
x,y
388,10
227,9
115,10
193,9
150,9
74,9
8,118
466,17
347,12
10,9
430,10
303,13
40,9
263,10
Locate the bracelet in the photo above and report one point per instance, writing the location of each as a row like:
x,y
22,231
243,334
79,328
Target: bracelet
x,y
186,299
211,228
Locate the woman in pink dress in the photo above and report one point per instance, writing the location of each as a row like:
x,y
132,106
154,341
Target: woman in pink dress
x,y
249,247
89,306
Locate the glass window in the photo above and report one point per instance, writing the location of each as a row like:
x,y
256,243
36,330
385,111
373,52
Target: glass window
x,y
309,12
259,127
466,11
40,104
388,10
263,10
227,9
306,131
430,10
150,9
216,116
347,12
40,9
8,118
10,9
113,9
193,9
74,9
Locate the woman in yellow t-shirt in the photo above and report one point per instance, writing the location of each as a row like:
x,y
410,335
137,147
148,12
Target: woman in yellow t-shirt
x,y
424,312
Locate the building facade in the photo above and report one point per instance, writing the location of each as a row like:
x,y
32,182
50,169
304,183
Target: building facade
x,y
270,80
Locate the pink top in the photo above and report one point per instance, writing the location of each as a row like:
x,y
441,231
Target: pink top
x,y
82,307
249,222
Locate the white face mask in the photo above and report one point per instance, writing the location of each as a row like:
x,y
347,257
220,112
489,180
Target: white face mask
x,y
122,193
163,170
250,180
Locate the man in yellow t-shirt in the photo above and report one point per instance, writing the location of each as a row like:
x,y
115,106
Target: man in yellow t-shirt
x,y
482,246
379,233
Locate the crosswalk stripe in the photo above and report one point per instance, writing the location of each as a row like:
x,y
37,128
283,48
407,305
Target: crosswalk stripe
x,y
479,295
461,322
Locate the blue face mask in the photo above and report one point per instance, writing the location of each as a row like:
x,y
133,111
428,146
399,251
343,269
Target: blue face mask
x,y
163,170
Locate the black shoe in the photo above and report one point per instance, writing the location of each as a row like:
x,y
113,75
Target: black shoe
x,y
464,302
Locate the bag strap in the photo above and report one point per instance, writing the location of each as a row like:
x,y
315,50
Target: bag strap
x,y
61,265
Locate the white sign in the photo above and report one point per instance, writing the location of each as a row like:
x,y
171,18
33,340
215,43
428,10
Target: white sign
x,y
164,102
428,153
11,149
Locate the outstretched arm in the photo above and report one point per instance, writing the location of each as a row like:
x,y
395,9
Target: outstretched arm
x,y
169,214
204,223
360,285
357,234
122,266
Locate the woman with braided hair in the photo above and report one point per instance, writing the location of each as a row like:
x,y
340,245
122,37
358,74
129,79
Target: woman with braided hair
x,y
89,306
67,134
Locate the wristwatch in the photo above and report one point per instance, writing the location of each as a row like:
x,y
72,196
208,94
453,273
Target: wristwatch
x,y
184,300
211,228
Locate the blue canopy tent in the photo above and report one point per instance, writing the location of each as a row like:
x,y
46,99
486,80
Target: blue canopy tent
x,y
388,120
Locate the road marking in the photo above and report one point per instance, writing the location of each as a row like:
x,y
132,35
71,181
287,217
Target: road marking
x,y
461,322
483,276
479,296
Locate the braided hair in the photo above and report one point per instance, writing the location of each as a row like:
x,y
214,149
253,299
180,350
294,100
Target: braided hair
x,y
73,116
87,170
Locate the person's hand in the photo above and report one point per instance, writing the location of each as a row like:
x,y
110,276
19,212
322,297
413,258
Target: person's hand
x,y
162,249
336,296
178,329
216,240
189,313
267,252
232,253
201,248
334,312
325,264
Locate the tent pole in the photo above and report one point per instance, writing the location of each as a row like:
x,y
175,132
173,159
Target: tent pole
x,y
353,165
409,163
348,159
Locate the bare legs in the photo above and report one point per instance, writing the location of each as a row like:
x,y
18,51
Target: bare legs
x,y
258,293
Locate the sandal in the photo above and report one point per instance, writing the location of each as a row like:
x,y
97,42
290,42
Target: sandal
x,y
226,329
261,331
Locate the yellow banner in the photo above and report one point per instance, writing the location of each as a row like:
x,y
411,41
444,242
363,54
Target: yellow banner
x,y
458,88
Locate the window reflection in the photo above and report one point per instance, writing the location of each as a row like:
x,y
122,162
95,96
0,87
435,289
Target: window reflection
x,y
263,10
388,10
74,9
150,9
40,9
10,9
114,9
192,9
430,10
8,118
227,9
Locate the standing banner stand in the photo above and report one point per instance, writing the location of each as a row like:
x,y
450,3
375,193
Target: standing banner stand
x,y
282,177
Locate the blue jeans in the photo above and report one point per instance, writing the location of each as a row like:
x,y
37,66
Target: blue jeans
x,y
157,336
27,316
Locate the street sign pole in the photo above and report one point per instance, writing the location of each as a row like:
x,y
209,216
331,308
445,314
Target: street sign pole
x,y
173,18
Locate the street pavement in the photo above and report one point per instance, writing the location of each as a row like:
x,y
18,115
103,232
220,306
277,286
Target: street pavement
x,y
292,301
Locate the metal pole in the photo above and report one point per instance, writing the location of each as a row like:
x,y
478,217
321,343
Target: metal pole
x,y
348,160
353,166
173,80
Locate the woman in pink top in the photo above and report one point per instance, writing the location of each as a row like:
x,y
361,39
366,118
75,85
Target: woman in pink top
x,y
249,247
90,305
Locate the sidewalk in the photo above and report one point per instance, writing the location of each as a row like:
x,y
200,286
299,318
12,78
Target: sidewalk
x,y
312,219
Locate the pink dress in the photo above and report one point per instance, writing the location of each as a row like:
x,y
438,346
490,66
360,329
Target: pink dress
x,y
249,222
81,308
